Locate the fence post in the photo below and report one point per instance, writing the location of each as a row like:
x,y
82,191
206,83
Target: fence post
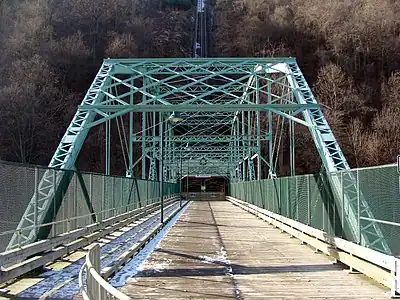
x,y
54,199
297,200
308,201
323,198
103,200
35,214
288,197
121,197
395,288
112,196
274,200
91,192
342,196
75,221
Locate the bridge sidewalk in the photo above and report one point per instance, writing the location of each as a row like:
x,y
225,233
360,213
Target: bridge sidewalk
x,y
218,251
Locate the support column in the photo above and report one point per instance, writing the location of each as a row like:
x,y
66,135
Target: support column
x,y
258,131
160,152
162,169
243,149
129,172
292,149
153,169
270,140
249,135
291,142
144,134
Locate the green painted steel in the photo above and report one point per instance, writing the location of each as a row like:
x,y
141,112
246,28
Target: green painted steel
x,y
311,200
222,102
88,198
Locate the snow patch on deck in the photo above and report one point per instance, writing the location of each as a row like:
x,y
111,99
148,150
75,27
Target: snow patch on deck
x,y
133,267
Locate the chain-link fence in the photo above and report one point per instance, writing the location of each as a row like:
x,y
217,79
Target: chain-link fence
x,y
107,195
354,205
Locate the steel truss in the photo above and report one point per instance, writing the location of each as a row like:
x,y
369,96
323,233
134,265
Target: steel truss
x,y
228,108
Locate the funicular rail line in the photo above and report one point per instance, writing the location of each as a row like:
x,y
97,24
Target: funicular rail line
x,y
60,278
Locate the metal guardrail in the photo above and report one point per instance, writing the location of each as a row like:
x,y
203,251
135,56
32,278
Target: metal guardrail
x,y
89,198
311,200
95,287
16,262
68,221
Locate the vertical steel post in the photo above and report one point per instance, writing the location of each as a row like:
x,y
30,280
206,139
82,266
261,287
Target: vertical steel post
x,y
144,134
35,214
54,206
168,157
270,149
238,149
342,196
152,163
308,201
76,222
236,154
187,181
131,133
161,169
243,149
108,147
297,200
112,195
291,141
91,192
292,153
121,197
258,130
103,196
249,161
180,181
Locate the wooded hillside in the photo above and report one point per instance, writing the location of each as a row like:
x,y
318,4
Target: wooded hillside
x,y
349,51
50,52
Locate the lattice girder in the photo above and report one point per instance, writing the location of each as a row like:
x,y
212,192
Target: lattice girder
x,y
222,102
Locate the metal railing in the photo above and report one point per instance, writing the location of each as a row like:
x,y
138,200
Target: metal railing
x,y
93,286
17,262
310,200
105,197
381,267
112,212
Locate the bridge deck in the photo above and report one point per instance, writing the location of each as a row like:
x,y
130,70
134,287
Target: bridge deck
x,y
216,250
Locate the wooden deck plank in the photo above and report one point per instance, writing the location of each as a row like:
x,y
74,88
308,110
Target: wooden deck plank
x,y
218,251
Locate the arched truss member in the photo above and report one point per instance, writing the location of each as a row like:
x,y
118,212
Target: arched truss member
x,y
227,108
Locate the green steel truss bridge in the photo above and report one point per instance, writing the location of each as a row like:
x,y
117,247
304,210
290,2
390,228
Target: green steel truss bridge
x,y
204,117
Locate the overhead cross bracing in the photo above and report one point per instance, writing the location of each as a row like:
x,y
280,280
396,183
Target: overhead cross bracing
x,y
226,126
214,98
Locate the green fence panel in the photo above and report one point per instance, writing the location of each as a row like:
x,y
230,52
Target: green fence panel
x,y
311,200
108,196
